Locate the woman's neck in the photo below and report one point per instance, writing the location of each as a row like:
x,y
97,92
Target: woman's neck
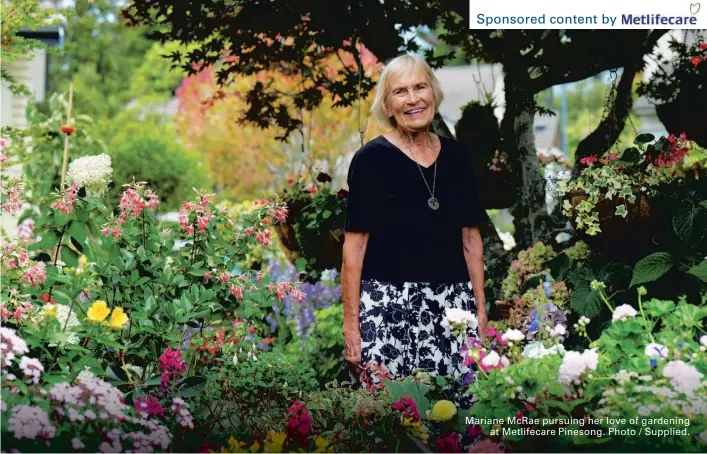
x,y
418,139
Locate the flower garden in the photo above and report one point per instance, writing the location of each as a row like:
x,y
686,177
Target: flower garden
x,y
219,329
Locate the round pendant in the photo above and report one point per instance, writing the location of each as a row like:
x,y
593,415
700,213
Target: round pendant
x,y
433,203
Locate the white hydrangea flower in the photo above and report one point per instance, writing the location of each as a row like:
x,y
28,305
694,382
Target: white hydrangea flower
x,y
703,340
574,364
91,172
558,330
459,318
538,350
85,374
62,314
513,335
656,350
624,376
491,360
623,312
684,377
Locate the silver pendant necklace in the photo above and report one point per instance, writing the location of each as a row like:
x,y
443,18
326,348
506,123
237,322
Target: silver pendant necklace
x,y
433,202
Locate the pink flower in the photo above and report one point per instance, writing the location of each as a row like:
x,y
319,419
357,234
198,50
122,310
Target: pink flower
x,y
485,446
408,407
249,231
26,230
588,160
148,406
30,422
182,414
474,431
66,203
298,295
34,275
299,426
31,367
10,346
236,291
171,364
449,443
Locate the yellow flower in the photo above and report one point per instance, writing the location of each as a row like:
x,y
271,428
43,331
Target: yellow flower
x,y
235,445
321,443
255,447
50,310
98,311
274,441
443,410
118,319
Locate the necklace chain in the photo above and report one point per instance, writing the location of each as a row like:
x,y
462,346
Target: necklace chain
x,y
434,180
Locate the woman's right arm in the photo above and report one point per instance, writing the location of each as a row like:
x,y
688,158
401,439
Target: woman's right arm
x,y
354,250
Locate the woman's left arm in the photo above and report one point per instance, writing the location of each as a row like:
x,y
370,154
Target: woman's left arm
x,y
474,255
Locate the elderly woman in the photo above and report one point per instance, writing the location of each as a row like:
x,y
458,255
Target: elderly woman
x,y
412,248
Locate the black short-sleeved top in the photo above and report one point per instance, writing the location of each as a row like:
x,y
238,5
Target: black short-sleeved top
x,y
408,241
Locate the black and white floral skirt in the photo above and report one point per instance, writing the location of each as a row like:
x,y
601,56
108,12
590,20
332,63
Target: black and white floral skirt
x,y
402,330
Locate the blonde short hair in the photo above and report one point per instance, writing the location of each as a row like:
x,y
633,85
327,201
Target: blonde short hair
x,y
395,68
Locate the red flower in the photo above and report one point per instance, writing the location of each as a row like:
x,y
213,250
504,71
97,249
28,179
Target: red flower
x,y
149,405
449,443
290,181
68,129
588,160
408,407
299,426
696,60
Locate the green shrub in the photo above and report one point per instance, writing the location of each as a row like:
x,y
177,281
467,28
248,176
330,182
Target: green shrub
x,y
146,149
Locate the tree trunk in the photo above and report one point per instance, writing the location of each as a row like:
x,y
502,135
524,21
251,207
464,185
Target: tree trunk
x,y
496,258
531,220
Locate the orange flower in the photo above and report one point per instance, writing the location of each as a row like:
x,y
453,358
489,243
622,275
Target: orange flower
x,y
68,129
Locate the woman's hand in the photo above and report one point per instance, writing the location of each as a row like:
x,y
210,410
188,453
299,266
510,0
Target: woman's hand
x,y
352,347
483,320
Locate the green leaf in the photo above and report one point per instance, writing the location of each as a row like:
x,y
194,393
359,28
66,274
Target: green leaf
x,y
699,270
650,268
658,308
630,156
559,266
61,297
49,240
643,139
194,385
61,219
77,230
687,219
416,390
621,211
326,214
69,256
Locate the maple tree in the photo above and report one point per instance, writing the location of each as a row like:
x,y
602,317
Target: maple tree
x,y
251,160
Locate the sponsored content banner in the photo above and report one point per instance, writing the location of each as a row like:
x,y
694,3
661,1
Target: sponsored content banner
x,y
550,14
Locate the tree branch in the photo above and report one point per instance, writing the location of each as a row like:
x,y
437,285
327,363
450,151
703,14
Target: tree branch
x,y
569,63
609,129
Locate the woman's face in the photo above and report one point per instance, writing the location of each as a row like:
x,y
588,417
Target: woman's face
x,y
411,102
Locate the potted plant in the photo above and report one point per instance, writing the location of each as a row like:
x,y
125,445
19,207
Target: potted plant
x,y
611,195
314,227
681,94
478,130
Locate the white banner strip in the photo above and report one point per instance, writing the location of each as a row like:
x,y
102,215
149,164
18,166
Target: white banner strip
x,y
593,14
